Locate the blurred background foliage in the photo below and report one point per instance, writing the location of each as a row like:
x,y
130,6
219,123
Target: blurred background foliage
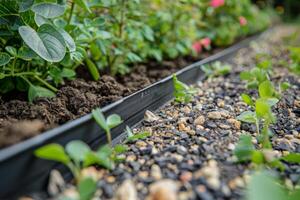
x,y
288,9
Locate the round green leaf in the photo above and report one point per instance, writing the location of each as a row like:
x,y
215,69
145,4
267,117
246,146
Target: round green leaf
x,y
4,58
113,120
48,43
247,99
266,89
40,20
38,91
11,50
48,10
77,150
26,53
100,119
25,5
53,152
68,40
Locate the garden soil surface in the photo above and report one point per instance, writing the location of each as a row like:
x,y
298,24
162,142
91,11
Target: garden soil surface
x,y
20,120
189,154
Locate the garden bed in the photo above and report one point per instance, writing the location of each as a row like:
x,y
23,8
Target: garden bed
x,y
20,120
189,154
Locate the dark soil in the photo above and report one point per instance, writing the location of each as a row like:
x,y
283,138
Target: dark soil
x,y
189,154
77,98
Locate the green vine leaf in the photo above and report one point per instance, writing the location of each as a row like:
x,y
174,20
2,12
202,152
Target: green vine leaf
x,y
4,58
38,91
48,43
48,10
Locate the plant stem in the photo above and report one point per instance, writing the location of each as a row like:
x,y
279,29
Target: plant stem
x,y
266,139
46,84
257,126
71,12
108,135
121,23
75,171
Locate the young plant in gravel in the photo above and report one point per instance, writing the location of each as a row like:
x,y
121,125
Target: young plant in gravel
x,y
264,185
245,151
182,92
106,124
256,75
132,137
216,69
262,111
76,156
295,58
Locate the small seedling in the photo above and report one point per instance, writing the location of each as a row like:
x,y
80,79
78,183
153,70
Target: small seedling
x,y
246,152
182,92
78,155
295,57
216,69
263,113
263,185
254,77
107,124
131,137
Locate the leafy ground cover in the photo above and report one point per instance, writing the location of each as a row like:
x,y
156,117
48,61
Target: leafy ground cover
x,y
61,59
218,139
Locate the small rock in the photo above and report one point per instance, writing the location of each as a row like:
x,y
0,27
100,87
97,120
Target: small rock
x,y
56,183
236,182
297,103
269,155
181,126
150,116
111,179
221,103
224,126
199,120
235,123
141,144
231,146
212,173
186,176
186,110
90,172
163,190
156,172
181,150
214,115
143,174
126,191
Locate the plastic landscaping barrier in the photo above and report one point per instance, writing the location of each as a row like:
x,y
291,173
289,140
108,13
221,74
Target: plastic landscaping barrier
x,y
22,173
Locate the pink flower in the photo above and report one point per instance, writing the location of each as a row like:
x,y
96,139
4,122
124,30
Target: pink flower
x,y
217,3
197,47
243,21
205,42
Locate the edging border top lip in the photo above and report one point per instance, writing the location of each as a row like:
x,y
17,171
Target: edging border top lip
x,y
11,151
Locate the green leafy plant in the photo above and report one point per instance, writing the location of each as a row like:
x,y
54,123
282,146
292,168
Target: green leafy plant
x,y
262,110
245,151
256,75
78,155
31,45
182,92
107,124
216,69
132,137
295,58
263,185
